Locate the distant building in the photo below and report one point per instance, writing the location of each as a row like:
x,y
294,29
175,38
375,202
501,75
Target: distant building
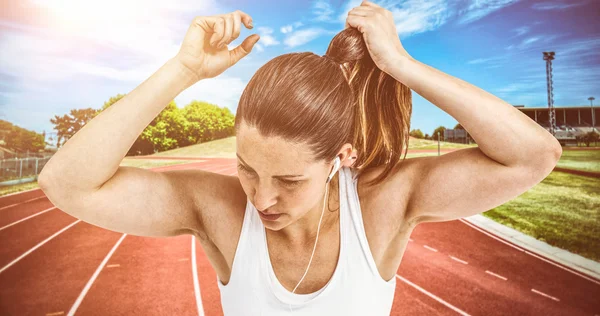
x,y
571,122
457,136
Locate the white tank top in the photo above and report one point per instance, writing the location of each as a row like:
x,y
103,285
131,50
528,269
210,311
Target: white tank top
x,y
356,288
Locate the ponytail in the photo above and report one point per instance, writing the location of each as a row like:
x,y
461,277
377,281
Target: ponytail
x,y
382,109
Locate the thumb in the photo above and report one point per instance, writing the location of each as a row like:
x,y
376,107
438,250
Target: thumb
x,y
244,48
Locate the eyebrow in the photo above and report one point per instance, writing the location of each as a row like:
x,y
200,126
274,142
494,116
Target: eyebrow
x,y
279,176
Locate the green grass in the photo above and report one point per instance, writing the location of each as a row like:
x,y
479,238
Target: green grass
x,y
563,210
4,190
587,160
220,148
416,143
148,163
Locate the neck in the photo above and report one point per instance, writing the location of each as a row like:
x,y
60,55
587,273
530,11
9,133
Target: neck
x,y
304,230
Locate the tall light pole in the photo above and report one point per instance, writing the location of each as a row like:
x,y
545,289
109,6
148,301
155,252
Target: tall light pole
x,y
548,57
592,108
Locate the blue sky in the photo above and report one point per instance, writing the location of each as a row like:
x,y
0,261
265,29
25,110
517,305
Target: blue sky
x,y
56,55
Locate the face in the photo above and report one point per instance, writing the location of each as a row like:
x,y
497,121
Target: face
x,y
279,177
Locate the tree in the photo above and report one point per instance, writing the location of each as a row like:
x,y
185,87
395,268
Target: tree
x,y
590,137
458,126
171,128
416,133
67,125
440,129
207,122
22,140
155,137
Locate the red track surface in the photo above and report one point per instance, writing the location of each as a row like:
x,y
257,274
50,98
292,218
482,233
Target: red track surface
x,y
54,264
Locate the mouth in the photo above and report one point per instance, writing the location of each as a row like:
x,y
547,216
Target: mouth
x,y
269,217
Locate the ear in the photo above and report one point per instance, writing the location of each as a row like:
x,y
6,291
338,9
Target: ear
x,y
349,160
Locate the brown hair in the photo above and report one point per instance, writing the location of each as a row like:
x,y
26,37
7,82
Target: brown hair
x,y
327,102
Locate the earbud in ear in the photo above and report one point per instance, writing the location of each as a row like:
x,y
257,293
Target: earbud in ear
x,y
336,166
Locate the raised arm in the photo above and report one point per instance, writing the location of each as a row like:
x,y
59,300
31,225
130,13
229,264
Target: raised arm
x,y
514,153
84,178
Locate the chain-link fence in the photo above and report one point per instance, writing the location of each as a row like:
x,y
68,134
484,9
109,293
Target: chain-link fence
x,y
19,168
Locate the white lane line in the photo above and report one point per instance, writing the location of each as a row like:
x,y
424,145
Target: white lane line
x,y
456,259
7,206
113,265
26,218
550,262
452,307
483,231
20,192
544,294
55,314
38,245
530,253
432,249
410,239
496,275
87,287
196,283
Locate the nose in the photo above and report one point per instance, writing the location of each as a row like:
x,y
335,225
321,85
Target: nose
x,y
265,196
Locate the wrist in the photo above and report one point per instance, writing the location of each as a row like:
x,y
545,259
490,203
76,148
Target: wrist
x,y
185,75
397,65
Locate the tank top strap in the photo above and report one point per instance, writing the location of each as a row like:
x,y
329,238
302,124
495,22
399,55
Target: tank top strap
x,y
356,224
248,241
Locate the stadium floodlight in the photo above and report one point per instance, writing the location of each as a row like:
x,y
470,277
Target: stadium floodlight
x,y
548,57
592,108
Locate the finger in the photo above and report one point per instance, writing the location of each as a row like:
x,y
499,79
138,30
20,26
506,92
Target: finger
x,y
236,27
369,4
360,11
228,30
219,28
247,19
357,22
243,49
357,11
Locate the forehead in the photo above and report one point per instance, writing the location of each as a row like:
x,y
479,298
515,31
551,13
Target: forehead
x,y
271,153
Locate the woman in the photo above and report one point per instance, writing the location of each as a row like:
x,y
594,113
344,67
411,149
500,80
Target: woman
x,y
303,123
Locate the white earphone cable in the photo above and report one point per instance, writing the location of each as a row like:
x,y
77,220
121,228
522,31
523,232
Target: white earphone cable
x,y
317,239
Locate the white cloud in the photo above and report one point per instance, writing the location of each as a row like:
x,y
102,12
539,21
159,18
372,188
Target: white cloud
x,y
556,5
526,42
322,11
266,39
73,56
415,17
222,90
289,28
480,8
521,30
411,16
479,61
304,36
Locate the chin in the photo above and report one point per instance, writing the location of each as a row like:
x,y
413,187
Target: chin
x,y
274,225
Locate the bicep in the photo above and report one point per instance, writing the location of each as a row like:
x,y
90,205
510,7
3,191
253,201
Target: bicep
x,y
141,202
465,182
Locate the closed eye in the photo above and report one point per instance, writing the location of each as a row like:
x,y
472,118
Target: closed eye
x,y
289,183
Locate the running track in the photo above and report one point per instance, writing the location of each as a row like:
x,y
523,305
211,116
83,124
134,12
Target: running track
x,y
54,264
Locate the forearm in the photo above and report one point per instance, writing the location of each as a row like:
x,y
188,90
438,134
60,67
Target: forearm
x,y
92,156
501,131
